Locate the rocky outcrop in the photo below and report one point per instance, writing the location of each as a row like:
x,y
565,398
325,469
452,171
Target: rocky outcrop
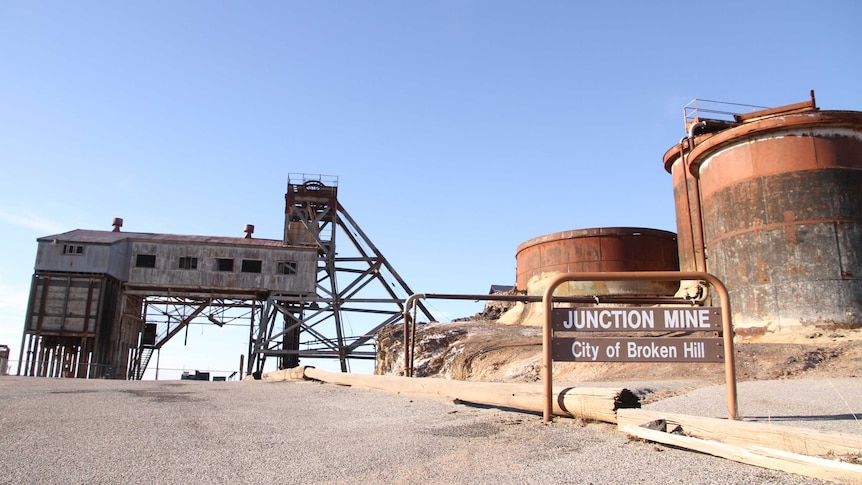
x,y
482,350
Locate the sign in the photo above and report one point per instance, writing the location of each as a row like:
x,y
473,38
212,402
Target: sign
x,y
626,319
646,349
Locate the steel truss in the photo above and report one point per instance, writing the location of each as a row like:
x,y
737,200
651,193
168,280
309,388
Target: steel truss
x,y
357,291
165,316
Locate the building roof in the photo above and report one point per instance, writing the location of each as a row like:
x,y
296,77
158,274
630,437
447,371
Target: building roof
x,y
111,237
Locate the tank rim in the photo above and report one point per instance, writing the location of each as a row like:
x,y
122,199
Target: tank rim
x,y
715,141
596,232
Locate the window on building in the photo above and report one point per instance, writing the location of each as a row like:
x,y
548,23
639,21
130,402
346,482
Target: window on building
x,y
224,264
146,261
252,266
287,267
73,249
188,262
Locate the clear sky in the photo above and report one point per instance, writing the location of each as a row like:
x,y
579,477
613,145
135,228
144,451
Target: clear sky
x,y
457,129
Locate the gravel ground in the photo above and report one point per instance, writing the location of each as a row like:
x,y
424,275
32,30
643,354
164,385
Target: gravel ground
x,y
101,431
826,404
833,404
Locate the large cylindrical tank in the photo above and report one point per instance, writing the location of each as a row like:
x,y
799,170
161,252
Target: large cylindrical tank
x,y
780,197
600,249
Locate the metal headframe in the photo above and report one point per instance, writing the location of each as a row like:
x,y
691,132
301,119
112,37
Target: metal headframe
x,y
357,290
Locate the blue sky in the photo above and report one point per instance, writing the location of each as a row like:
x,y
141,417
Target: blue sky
x,y
458,129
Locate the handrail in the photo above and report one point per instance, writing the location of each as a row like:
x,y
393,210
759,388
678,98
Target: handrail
x,y
727,325
691,111
410,321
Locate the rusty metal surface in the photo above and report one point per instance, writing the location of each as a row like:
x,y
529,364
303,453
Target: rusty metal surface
x,y
598,249
790,153
781,202
688,217
790,250
796,107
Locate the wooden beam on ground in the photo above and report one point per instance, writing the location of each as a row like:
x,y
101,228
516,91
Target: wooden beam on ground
x,y
808,466
593,403
292,374
745,433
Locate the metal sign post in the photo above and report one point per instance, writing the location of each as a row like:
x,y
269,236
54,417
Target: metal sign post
x,y
631,319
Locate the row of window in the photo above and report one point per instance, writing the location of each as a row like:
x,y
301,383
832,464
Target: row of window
x,y
73,249
221,264
189,262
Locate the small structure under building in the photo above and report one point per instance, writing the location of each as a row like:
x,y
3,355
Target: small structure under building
x,y
4,359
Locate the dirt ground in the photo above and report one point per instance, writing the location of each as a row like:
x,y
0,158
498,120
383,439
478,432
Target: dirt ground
x,y
489,351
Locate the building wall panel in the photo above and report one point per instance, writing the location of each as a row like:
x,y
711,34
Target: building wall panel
x,y
64,304
168,273
51,257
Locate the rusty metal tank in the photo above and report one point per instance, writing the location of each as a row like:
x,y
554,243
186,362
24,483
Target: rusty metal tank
x,y
598,249
772,205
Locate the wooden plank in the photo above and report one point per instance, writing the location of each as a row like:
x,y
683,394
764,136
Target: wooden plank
x,y
745,433
598,404
808,466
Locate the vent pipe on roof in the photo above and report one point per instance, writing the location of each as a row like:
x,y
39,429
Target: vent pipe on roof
x,y
249,230
117,223
696,127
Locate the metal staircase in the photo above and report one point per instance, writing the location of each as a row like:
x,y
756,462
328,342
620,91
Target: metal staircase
x,y
137,371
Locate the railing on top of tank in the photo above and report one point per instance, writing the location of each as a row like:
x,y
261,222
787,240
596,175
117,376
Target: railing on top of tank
x,y
715,110
301,178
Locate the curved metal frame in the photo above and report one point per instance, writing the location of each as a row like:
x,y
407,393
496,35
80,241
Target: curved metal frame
x,y
548,332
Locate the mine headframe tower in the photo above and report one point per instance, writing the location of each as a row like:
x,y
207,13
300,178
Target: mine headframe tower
x,y
357,291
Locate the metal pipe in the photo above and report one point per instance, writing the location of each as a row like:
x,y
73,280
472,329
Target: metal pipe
x,y
658,300
693,127
413,340
700,261
726,324
411,300
682,141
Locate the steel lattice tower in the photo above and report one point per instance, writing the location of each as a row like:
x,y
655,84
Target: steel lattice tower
x,y
358,290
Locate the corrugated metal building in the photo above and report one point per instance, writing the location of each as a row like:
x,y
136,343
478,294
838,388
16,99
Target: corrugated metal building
x,y
85,316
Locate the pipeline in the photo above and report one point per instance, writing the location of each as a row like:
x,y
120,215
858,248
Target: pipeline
x,y
698,242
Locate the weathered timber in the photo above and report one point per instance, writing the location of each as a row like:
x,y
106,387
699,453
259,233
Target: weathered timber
x,y
745,433
600,404
292,374
808,466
